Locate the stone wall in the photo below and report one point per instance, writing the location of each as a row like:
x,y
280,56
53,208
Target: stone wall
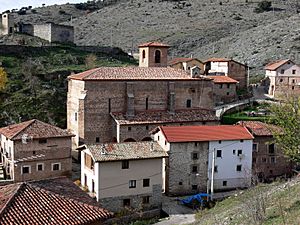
x,y
225,93
43,31
238,72
54,32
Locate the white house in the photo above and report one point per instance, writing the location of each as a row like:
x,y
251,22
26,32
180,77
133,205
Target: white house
x,y
284,76
191,149
124,174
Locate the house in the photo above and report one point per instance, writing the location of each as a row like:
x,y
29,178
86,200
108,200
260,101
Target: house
x,y
268,161
225,89
124,174
186,64
6,23
53,201
283,78
230,68
34,150
116,104
198,153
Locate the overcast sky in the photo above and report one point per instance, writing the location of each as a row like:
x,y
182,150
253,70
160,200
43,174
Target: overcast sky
x,y
17,4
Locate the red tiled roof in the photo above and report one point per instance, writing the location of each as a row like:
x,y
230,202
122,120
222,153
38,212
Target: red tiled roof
x,y
205,133
163,116
30,204
258,128
133,73
180,60
33,128
154,44
223,79
275,65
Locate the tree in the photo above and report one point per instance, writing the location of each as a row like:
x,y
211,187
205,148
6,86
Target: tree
x,y
3,78
286,115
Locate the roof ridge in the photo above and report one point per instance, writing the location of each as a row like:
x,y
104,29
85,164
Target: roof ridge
x,y
30,123
94,71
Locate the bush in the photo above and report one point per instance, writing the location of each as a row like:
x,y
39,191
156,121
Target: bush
x,y
263,6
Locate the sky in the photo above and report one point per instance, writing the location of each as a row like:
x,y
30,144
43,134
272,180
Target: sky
x,y
17,4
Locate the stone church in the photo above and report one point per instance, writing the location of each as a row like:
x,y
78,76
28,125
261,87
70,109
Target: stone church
x,y
123,104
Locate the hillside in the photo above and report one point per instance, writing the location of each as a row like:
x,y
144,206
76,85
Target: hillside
x,y
37,85
206,28
276,203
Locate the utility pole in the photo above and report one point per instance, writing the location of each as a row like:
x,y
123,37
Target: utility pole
x,y
212,175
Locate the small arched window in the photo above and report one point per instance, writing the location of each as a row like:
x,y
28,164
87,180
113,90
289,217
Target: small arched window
x,y
143,54
157,56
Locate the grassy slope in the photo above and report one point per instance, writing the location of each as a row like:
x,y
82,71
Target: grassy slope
x,y
282,206
43,95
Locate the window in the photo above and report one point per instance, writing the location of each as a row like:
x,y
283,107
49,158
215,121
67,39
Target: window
x,y
196,144
40,167
132,184
293,71
216,169
194,169
42,141
239,168
254,147
239,152
147,100
293,81
194,155
272,148
219,153
264,160
129,128
227,93
273,159
165,142
75,116
180,183
157,56
221,86
146,200
282,71
228,85
242,141
146,182
254,160
280,80
143,54
88,161
33,152
55,166
194,187
26,169
97,139
233,151
293,87
109,105
224,183
158,137
147,127
126,202
220,142
125,164
189,103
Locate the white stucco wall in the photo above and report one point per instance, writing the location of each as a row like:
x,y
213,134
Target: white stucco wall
x,y
219,67
228,162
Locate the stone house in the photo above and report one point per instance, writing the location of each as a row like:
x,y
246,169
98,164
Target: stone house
x,y
283,78
230,68
7,23
191,150
268,160
124,174
111,104
224,89
51,201
35,150
186,64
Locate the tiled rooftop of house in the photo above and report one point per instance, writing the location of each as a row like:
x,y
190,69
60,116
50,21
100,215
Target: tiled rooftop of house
x,y
180,60
217,60
223,79
258,128
275,65
154,44
27,203
33,128
205,133
126,151
134,73
163,116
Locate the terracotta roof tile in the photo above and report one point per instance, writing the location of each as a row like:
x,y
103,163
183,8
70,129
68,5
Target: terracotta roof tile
x,y
258,128
133,73
31,204
126,151
163,116
154,44
180,60
205,133
223,79
275,65
33,128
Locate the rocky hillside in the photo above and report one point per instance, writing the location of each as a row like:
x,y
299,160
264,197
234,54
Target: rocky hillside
x,y
224,28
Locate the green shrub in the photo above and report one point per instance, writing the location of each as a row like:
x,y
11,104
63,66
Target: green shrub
x,y
263,6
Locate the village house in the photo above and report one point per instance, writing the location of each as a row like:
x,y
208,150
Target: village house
x,y
230,68
6,23
186,64
124,174
34,150
268,161
116,104
52,201
197,152
283,77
